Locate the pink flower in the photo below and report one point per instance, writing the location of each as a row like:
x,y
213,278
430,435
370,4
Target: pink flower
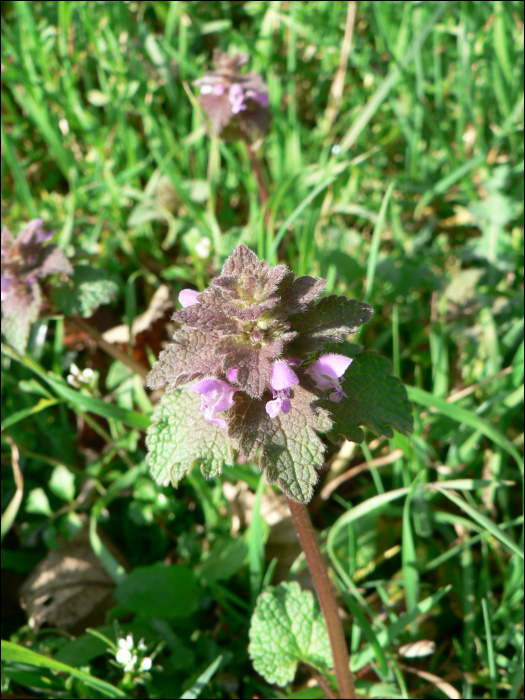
x,y
236,97
216,395
260,97
188,297
282,379
231,375
326,372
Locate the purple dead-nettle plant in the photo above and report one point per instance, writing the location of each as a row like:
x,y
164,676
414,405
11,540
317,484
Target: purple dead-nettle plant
x,y
254,340
235,104
26,260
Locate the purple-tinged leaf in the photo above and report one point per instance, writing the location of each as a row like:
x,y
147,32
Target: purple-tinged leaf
x,y
330,320
253,363
24,260
291,448
20,309
207,318
242,262
192,355
296,296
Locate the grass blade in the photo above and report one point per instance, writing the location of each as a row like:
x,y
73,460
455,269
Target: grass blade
x,y
17,653
482,520
376,242
462,415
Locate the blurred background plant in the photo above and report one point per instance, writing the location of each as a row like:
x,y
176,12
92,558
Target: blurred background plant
x,y
394,169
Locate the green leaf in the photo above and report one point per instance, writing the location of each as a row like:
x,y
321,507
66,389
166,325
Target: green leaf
x,y
226,558
62,483
18,317
287,627
291,449
179,436
160,591
331,319
91,288
375,398
38,502
17,653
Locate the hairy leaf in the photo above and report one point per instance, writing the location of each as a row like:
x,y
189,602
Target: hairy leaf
x,y
375,398
255,278
27,256
207,318
291,448
91,288
19,310
242,261
331,319
297,294
190,356
25,259
179,436
287,628
253,363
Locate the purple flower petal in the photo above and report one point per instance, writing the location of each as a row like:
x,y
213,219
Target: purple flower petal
x,y
231,375
332,365
188,297
6,286
326,372
216,395
283,376
273,407
236,97
282,379
260,97
293,361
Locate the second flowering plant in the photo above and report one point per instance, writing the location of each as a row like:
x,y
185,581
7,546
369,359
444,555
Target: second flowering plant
x,y
248,370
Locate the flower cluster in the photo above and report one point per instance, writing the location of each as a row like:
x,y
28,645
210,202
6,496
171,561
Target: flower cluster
x,y
132,657
25,260
235,104
257,330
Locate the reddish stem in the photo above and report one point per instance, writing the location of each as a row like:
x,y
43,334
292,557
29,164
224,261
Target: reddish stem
x,y
326,598
261,186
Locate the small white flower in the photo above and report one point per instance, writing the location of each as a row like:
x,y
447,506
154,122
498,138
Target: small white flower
x,y
146,664
203,247
123,656
131,665
126,643
73,381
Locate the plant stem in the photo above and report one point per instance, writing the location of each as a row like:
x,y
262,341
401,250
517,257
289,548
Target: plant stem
x,y
261,185
326,598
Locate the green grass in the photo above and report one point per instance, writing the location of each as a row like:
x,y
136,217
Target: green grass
x,y
412,200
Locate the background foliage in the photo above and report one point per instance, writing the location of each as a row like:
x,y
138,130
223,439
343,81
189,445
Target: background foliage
x,y
404,190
